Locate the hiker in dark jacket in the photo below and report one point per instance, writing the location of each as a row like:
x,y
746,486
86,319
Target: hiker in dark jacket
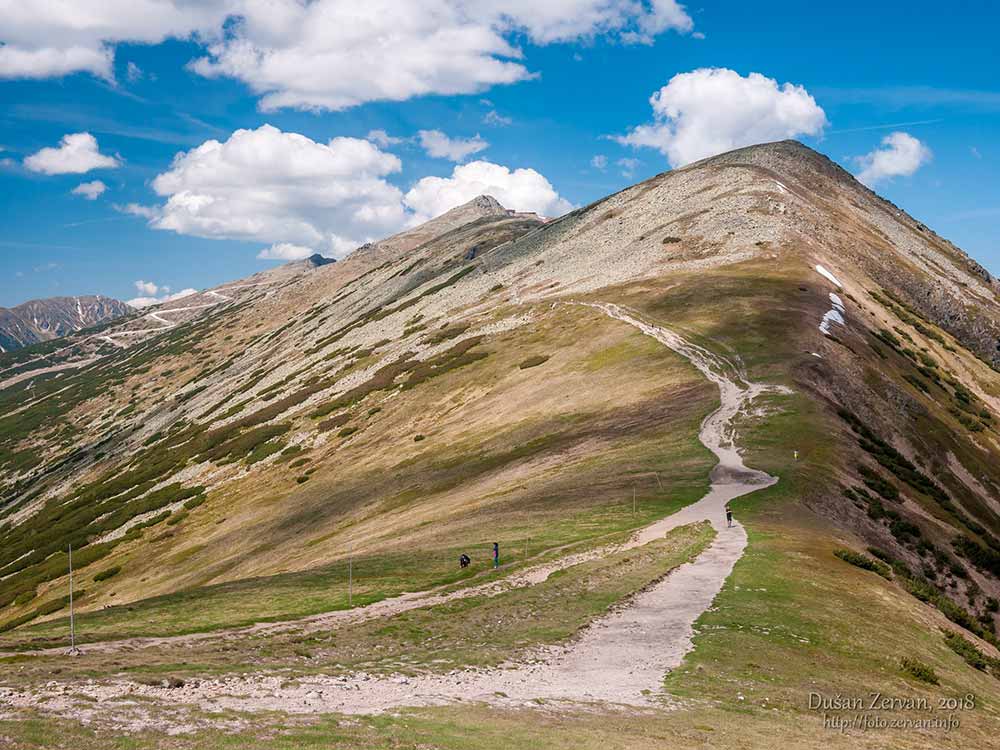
x,y
496,554
729,515
464,560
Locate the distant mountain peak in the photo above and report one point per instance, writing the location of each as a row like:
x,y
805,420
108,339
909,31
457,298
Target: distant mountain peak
x,y
320,260
40,320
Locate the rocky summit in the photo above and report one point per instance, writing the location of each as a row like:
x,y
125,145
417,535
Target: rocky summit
x,y
734,431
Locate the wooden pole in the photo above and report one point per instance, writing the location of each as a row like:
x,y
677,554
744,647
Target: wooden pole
x,y
72,619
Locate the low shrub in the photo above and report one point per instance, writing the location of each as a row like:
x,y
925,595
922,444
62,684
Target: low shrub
x,y
918,670
967,650
54,605
878,484
264,450
347,431
194,502
865,563
446,332
982,557
534,361
338,420
109,573
904,530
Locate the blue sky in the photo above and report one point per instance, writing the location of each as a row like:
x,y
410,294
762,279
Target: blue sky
x,y
869,70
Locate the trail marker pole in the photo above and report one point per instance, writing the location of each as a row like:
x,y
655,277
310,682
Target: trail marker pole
x,y
73,650
350,579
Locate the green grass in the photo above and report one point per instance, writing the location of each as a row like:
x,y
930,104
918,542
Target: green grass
x,y
377,576
485,631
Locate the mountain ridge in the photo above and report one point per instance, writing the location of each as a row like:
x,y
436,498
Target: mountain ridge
x,y
416,401
41,320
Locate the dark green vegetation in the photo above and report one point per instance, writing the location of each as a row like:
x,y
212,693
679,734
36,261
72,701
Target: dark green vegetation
x,y
919,671
108,573
415,372
890,459
534,361
971,654
863,562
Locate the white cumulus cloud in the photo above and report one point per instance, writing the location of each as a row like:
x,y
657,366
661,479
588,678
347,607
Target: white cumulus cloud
x,y
567,20
600,161
382,139
519,189
267,185
285,251
302,197
440,146
899,155
77,153
90,190
711,110
141,302
324,54
148,288
47,38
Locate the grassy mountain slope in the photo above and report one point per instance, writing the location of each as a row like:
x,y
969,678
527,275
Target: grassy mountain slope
x,y
417,400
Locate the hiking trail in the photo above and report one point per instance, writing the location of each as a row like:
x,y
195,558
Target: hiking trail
x,y
621,657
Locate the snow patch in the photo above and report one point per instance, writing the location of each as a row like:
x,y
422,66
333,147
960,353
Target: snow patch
x,y
823,272
817,356
835,314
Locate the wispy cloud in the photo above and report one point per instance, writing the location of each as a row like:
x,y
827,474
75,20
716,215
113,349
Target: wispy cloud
x,y
909,96
496,119
102,125
886,126
92,221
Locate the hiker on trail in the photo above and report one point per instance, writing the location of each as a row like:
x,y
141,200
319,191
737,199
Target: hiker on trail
x,y
464,560
496,554
729,515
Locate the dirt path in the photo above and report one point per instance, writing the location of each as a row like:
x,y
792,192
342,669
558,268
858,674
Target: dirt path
x,y
621,658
